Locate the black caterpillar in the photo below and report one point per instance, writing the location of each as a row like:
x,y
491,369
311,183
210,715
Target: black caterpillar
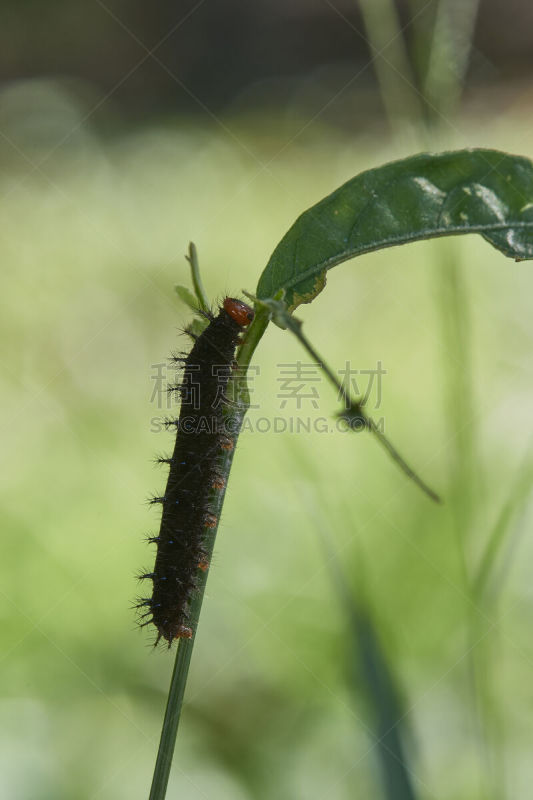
x,y
200,438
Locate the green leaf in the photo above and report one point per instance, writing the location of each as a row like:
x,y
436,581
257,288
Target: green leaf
x,y
197,326
187,297
468,191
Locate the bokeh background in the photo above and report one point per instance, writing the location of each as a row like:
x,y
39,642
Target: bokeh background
x,y
356,639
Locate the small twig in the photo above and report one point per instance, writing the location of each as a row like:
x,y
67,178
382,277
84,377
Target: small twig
x,y
199,290
353,412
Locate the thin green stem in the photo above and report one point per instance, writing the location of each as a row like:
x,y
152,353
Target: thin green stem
x,y
391,62
443,85
450,54
199,290
353,412
185,647
402,463
235,412
253,336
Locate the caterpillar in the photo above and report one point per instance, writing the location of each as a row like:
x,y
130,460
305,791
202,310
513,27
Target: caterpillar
x,y
187,519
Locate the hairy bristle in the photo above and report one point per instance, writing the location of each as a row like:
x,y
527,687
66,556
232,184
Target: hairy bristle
x,y
155,499
170,422
143,576
162,460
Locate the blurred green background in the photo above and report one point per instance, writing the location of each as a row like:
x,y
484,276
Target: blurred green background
x,y
346,616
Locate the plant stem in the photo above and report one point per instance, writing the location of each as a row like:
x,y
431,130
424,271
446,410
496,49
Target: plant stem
x,y
236,410
368,664
391,62
253,335
199,290
450,54
185,648
444,85
353,412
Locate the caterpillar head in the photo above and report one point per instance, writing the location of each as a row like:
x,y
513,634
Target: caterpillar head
x,y
238,311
